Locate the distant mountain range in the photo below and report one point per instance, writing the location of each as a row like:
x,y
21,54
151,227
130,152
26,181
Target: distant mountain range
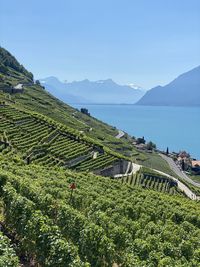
x,y
183,91
98,92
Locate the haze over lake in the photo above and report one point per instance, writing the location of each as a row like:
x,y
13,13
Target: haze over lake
x,y
175,127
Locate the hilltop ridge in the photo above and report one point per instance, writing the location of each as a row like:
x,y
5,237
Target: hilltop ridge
x,y
92,92
183,91
8,61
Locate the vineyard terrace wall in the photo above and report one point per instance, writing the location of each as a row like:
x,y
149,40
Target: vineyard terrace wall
x,y
118,167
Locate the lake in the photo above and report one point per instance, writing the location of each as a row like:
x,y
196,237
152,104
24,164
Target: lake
x,y
175,127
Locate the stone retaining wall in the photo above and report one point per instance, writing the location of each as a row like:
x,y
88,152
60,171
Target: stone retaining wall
x,y
118,167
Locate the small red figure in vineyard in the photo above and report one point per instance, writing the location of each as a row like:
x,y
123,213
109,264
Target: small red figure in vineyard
x,y
72,187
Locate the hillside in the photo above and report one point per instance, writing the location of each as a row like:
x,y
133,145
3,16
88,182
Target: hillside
x,y
9,63
183,91
34,100
56,207
97,92
40,140
102,223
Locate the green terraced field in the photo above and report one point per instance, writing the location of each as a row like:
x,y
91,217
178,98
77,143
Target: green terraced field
x,y
47,149
43,142
103,222
155,182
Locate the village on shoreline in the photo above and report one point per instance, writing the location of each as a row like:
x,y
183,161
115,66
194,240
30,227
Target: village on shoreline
x,y
183,159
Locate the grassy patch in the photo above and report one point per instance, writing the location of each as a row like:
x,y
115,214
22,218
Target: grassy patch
x,y
155,161
195,178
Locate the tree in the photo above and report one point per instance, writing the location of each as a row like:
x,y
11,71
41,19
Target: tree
x,y
151,145
141,140
85,111
37,82
167,151
183,164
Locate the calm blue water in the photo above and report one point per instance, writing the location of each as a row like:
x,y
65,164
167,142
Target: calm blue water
x,y
175,127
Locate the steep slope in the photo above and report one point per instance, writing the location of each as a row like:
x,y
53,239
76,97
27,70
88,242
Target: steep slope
x,y
43,141
33,98
103,223
183,91
8,62
56,216
98,92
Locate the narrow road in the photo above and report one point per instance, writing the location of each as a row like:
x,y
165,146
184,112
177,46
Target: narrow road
x,y
180,173
120,134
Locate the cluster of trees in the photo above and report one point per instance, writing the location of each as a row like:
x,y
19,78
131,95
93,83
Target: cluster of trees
x,y
85,111
140,140
149,146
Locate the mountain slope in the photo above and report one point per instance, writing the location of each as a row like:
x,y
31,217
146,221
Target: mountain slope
x,y
98,92
183,91
56,216
7,62
35,99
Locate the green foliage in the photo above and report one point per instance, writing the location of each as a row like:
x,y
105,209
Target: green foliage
x,y
149,179
104,222
150,145
39,236
8,256
8,61
47,142
155,161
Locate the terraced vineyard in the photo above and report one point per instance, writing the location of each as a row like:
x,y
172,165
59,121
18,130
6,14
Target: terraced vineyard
x,y
53,216
150,180
97,163
103,222
43,142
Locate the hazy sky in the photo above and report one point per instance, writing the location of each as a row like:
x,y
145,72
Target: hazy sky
x,y
145,42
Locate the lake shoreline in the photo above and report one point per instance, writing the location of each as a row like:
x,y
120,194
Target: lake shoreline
x,y
166,126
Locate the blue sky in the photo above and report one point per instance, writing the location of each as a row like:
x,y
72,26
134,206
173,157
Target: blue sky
x,y
145,42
